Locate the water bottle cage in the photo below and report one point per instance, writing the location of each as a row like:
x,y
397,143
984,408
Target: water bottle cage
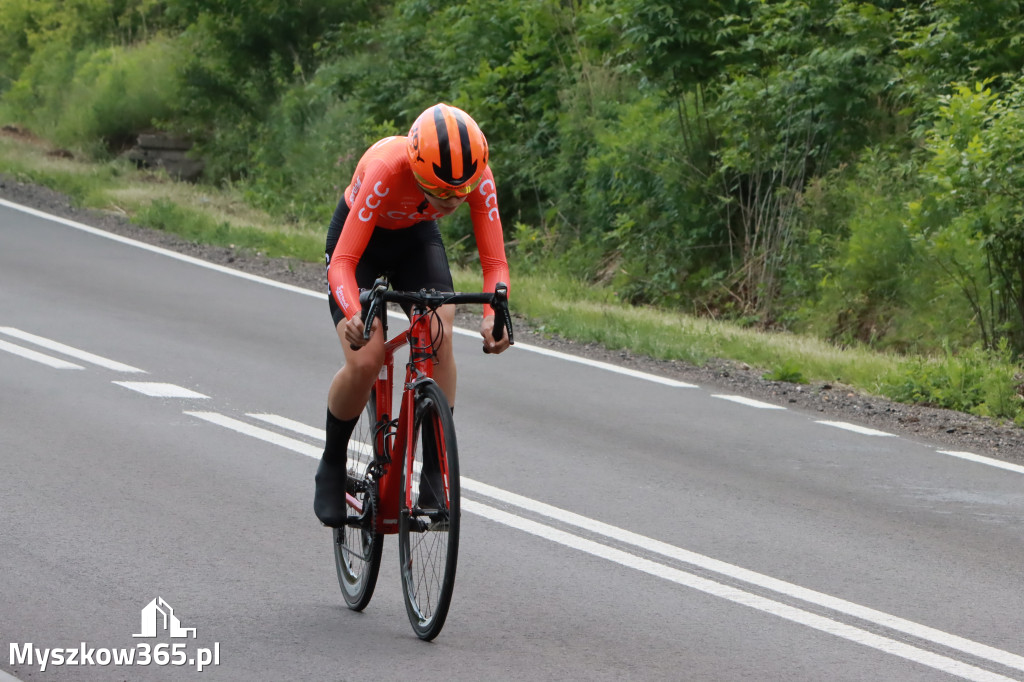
x,y
388,429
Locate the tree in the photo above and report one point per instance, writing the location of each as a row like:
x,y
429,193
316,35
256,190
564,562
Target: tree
x,y
971,223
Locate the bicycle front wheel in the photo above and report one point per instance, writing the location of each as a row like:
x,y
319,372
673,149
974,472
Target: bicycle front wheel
x,y
428,531
357,549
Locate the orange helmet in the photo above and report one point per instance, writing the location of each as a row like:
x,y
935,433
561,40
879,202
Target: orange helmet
x,y
447,151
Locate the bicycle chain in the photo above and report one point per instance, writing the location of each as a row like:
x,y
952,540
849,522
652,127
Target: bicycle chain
x,y
369,484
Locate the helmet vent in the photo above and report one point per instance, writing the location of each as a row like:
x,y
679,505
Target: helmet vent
x,y
446,170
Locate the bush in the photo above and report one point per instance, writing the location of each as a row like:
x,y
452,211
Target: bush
x,y
42,40
305,151
643,203
970,222
37,98
97,97
976,380
867,272
119,92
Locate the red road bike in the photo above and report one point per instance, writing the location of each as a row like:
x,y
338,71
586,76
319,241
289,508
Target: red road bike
x,y
403,471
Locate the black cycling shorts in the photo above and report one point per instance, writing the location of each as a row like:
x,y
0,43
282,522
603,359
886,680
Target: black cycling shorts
x,y
412,258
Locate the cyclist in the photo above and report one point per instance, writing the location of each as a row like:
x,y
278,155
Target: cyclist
x,y
386,223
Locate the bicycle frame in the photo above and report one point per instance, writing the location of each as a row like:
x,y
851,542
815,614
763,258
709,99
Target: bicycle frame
x,y
395,436
385,492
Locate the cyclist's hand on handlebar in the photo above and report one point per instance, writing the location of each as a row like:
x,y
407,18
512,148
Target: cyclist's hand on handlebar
x,y
487,331
354,332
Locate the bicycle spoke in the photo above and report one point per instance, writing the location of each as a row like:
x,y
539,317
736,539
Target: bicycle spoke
x,y
357,548
429,555
429,532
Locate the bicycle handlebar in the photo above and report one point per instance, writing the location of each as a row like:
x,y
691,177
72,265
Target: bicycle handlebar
x,y
374,299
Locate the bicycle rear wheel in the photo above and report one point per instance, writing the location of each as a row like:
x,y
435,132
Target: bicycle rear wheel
x,y
357,549
428,533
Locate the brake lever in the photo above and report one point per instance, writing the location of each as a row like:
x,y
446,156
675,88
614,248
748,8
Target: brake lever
x,y
502,317
370,301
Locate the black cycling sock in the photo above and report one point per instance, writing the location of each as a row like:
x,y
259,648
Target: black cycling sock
x,y
431,486
329,498
338,431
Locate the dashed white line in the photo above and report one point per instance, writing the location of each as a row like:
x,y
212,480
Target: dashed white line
x,y
70,351
733,594
156,389
749,402
970,456
863,430
36,356
54,362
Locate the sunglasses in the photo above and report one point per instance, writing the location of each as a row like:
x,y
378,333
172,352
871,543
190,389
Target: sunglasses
x,y
443,194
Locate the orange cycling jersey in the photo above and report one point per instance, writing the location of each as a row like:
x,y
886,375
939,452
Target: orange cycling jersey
x,y
383,193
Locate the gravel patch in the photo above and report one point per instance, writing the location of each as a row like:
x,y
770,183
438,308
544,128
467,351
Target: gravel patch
x,y
945,429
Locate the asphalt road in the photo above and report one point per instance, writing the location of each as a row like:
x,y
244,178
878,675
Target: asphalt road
x,y
615,526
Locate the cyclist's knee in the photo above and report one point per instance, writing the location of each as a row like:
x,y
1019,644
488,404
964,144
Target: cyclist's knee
x,y
446,319
446,314
364,363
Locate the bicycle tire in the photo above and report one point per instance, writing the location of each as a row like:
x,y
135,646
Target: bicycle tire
x,y
357,551
428,536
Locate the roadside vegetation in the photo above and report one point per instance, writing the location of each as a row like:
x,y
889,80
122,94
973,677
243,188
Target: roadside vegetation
x,y
827,189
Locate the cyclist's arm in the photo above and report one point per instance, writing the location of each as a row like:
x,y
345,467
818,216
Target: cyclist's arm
x,y
490,242
355,235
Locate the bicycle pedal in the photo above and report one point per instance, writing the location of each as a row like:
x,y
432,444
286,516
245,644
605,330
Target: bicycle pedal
x,y
419,525
355,486
358,521
440,525
432,520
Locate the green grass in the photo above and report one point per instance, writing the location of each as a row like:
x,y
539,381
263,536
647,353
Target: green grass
x,y
983,382
200,213
574,310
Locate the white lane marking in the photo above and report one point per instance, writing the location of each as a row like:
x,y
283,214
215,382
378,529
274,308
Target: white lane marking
x,y
156,389
707,563
354,446
36,356
256,432
70,351
323,294
290,424
749,402
984,460
735,595
746,575
163,252
315,294
863,430
236,273
608,367
465,332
